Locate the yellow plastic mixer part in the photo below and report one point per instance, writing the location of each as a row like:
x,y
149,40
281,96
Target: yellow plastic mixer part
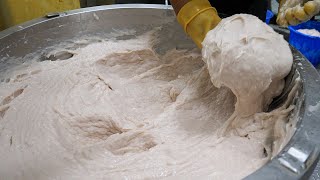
x,y
198,17
13,12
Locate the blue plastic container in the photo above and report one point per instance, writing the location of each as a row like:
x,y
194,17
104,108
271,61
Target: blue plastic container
x,y
269,15
309,46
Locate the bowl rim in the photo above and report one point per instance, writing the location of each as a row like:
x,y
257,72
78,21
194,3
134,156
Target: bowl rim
x,y
306,137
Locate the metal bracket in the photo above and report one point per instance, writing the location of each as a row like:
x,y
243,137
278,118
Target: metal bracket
x,y
55,14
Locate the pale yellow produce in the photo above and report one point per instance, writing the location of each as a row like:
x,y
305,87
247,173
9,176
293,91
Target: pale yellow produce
x,y
293,12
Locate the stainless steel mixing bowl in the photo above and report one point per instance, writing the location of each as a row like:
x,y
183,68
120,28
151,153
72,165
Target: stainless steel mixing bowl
x,y
298,158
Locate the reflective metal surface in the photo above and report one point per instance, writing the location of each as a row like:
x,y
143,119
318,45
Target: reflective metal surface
x,y
295,161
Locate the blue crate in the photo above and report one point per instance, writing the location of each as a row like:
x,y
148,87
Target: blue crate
x,y
269,15
309,46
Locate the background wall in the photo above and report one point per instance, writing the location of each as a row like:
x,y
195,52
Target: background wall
x,y
13,12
